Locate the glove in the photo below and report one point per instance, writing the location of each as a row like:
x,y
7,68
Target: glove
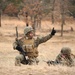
x,y
53,31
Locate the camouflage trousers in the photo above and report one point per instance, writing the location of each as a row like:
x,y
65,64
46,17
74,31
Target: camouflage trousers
x,y
21,59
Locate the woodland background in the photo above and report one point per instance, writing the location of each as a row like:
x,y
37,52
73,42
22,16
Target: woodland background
x,y
42,15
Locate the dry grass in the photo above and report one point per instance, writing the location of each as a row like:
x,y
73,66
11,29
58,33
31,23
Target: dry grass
x,y
47,50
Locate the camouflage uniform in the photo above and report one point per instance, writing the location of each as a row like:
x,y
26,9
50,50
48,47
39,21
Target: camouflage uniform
x,y
30,46
65,57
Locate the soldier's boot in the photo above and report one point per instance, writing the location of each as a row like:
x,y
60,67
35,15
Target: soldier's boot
x,y
33,61
17,63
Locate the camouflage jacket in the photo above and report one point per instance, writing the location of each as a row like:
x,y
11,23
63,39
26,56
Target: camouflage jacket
x,y
40,40
61,59
30,45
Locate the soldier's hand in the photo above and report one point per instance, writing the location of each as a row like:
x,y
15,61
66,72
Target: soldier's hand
x,y
53,31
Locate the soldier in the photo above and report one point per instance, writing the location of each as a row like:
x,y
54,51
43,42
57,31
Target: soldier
x,y
65,57
29,44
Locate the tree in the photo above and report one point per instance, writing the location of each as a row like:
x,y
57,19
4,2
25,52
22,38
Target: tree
x,y
34,9
5,3
63,17
1,9
52,13
13,7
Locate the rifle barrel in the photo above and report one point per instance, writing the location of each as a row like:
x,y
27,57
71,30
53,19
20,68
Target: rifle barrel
x,y
16,32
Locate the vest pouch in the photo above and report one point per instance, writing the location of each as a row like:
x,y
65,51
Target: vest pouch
x,y
29,48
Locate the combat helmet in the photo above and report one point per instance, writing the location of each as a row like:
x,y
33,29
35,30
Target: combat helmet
x,y
66,50
27,29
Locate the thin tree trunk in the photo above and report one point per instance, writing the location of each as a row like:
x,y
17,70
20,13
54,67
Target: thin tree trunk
x,y
0,12
63,17
33,24
52,16
40,22
0,18
26,18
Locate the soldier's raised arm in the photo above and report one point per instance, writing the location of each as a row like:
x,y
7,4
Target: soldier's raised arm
x,y
45,38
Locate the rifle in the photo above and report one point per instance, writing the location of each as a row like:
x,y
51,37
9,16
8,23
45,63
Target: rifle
x,y
19,47
51,62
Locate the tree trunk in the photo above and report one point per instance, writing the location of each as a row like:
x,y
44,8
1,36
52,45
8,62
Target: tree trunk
x,y
40,22
52,15
63,17
0,18
33,24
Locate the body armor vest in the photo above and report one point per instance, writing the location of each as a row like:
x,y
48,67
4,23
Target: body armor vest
x,y
28,45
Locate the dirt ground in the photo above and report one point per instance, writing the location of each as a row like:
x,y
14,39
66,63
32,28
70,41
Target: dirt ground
x,y
47,51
